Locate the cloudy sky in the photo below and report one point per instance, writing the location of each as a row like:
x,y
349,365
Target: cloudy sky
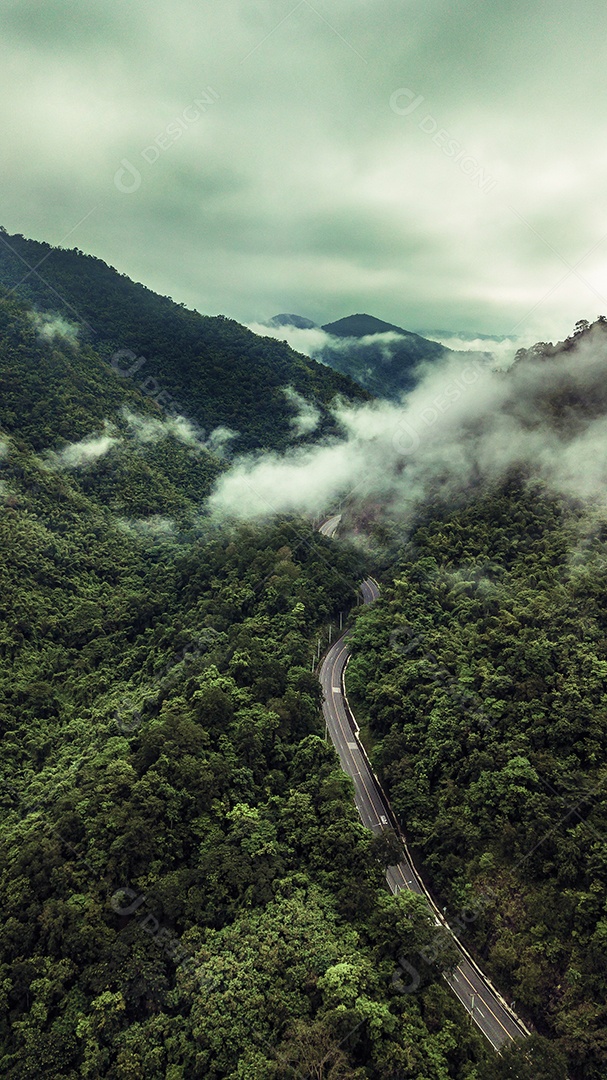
x,y
437,163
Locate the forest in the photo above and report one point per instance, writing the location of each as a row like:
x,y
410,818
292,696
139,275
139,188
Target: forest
x,y
185,886
481,674
210,369
186,889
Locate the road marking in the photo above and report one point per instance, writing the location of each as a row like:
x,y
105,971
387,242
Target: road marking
x,y
496,1018
336,726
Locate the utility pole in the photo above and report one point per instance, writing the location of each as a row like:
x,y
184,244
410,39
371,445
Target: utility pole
x,y
341,620
330,633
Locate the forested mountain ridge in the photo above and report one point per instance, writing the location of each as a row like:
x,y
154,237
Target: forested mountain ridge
x,y
185,887
385,359
482,674
211,369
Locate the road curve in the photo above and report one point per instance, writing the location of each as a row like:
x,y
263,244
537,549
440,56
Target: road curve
x,y
330,525
490,1012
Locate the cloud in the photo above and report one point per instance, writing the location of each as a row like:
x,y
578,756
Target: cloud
x,y
307,416
310,342
460,429
142,430
219,439
503,350
79,454
300,188
147,429
50,327
314,341
157,526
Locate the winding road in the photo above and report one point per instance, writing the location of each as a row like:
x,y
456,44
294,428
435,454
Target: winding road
x,y
487,1008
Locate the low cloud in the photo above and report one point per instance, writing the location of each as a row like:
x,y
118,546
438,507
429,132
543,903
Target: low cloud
x,y
157,526
310,342
79,454
503,350
307,416
142,430
50,327
148,429
463,427
314,341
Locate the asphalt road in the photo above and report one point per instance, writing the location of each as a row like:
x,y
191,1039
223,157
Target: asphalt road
x,y
485,1005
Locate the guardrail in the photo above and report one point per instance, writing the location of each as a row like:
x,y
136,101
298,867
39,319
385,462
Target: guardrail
x,y
524,1030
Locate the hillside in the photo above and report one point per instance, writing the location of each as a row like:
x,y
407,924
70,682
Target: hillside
x,y
210,369
379,356
186,889
482,673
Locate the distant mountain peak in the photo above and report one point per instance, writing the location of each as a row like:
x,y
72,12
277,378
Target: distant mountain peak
x,y
293,320
361,325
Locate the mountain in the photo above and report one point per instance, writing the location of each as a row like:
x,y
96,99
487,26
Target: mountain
x,y
210,369
361,325
379,356
293,320
187,890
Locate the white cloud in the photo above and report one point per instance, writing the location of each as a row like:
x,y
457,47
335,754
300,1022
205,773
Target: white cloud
x,y
310,341
462,426
79,454
307,416
149,429
503,350
50,327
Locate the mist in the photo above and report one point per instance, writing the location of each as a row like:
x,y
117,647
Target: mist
x,y
307,416
502,350
462,428
141,431
50,327
85,452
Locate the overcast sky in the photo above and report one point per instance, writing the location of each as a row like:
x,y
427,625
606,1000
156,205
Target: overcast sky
x,y
437,164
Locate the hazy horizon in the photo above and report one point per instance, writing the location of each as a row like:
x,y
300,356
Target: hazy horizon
x,y
435,165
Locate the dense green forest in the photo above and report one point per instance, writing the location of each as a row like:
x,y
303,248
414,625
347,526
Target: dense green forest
x,y
210,369
186,890
482,673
